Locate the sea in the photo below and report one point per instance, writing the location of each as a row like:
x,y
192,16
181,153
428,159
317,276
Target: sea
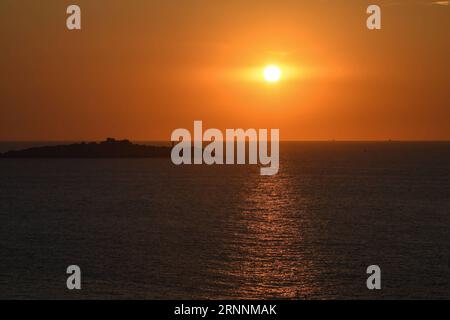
x,y
147,229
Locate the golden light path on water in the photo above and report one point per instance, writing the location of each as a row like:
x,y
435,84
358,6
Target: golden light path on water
x,y
268,255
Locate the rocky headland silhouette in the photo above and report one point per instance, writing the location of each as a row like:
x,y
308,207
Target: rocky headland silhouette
x,y
110,148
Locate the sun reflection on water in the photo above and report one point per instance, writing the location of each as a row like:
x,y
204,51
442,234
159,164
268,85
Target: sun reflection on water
x,y
268,255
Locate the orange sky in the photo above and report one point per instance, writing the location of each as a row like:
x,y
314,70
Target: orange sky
x,y
140,69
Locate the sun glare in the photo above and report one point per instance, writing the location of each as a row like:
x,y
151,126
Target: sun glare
x,y
272,73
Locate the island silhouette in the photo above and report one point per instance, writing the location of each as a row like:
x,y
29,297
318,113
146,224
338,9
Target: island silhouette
x,y
110,148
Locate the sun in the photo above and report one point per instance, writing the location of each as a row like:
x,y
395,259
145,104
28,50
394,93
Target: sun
x,y
272,73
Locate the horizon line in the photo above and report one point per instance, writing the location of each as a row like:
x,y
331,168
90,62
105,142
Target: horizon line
x,y
283,140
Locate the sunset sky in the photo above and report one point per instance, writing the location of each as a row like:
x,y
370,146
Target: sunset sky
x,y
140,69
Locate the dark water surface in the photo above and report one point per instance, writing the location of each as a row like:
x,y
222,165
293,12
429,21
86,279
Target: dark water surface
x,y
144,228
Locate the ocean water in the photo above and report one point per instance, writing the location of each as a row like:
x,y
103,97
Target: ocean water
x,y
146,229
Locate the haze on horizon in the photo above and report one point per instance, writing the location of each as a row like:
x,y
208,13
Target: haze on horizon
x,y
141,69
